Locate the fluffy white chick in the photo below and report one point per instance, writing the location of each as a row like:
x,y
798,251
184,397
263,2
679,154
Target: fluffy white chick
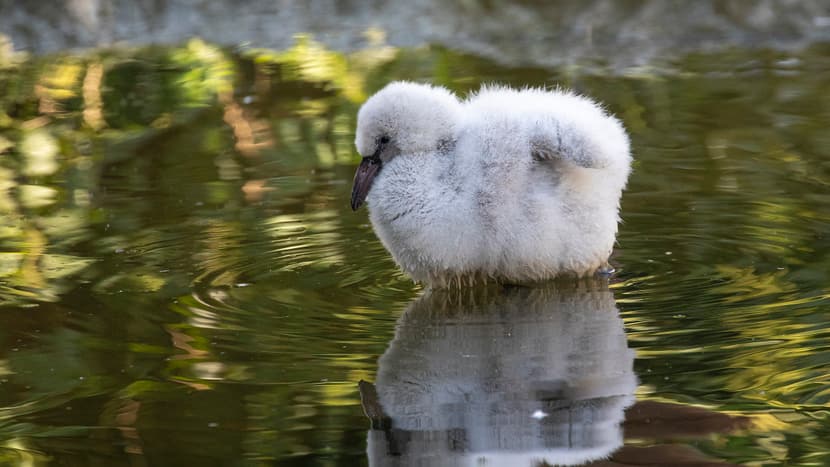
x,y
513,185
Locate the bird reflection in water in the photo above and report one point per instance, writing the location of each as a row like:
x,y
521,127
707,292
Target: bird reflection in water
x,y
516,376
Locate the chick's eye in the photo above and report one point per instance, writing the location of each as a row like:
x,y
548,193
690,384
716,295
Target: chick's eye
x,y
383,140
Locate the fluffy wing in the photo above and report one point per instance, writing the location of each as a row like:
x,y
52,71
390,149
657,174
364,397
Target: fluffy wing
x,y
577,130
558,125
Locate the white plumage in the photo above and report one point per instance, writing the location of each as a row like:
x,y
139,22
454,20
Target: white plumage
x,y
513,185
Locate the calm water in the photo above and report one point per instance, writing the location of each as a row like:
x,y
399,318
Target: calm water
x,y
183,283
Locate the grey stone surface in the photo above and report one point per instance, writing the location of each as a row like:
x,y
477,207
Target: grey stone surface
x,y
623,33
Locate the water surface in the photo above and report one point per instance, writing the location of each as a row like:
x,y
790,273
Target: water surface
x,y
183,283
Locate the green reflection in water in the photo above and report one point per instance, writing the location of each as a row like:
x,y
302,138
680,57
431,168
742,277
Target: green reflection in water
x,y
182,281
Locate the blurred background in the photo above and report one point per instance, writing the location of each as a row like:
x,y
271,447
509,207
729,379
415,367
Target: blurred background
x,y
617,34
182,281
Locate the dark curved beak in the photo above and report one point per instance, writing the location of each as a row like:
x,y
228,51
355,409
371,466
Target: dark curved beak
x,y
363,178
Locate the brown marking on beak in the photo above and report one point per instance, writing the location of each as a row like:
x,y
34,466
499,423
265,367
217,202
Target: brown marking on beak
x,y
363,178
